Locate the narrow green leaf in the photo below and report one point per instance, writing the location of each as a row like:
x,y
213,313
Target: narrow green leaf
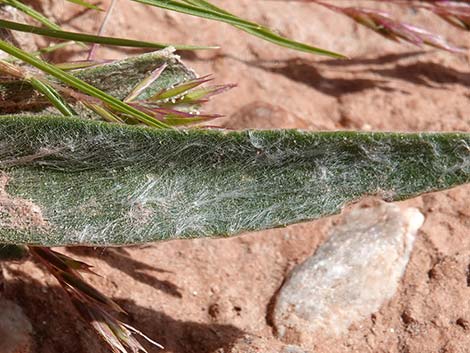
x,y
145,83
80,85
86,182
85,4
53,96
76,65
190,9
52,48
209,11
104,113
89,38
262,33
31,13
206,5
48,49
179,89
203,93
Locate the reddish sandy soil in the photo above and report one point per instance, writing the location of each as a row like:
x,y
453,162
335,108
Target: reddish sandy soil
x,y
208,295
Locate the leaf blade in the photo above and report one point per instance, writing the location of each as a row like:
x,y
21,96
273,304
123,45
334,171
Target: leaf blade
x,y
206,10
89,38
31,13
85,4
115,184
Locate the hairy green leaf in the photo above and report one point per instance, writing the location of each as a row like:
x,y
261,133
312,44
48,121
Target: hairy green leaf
x,y
74,181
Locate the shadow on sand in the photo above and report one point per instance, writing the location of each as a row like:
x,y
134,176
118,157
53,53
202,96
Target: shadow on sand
x,y
58,327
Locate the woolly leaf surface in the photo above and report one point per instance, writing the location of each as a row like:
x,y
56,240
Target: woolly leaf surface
x,y
74,181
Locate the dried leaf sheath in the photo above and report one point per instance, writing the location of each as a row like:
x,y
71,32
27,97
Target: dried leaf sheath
x,y
72,181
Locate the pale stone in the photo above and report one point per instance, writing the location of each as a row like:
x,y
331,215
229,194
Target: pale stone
x,y
350,276
15,329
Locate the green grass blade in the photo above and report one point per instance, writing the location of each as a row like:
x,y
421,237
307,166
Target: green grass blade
x,y
85,4
31,13
287,43
89,38
206,10
53,96
205,5
77,65
266,34
80,85
45,50
52,48
103,113
108,184
198,11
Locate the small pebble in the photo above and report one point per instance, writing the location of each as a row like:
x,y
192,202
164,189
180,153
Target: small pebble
x,y
350,276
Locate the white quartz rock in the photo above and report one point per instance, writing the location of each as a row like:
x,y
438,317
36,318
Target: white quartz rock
x,y
351,275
